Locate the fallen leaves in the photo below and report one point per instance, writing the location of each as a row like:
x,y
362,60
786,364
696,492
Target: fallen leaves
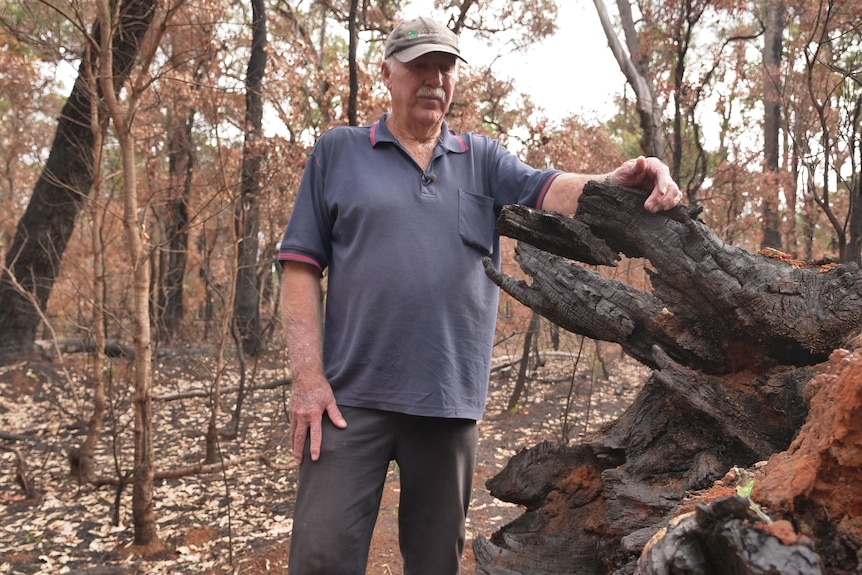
x,y
237,507
239,502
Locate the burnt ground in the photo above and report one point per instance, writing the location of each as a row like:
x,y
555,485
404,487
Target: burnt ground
x,y
236,519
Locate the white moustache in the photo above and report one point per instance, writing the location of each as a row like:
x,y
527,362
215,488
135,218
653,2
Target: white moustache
x,y
437,93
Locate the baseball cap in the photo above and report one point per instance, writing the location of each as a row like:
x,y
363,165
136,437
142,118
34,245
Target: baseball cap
x,y
419,36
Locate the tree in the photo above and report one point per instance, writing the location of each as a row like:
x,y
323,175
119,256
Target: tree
x,y
772,47
689,158
635,67
855,184
29,100
728,390
353,39
43,232
188,57
825,98
247,211
144,520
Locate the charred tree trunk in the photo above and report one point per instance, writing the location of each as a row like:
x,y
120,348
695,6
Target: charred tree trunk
x,y
172,270
635,67
246,312
734,340
854,249
772,97
33,259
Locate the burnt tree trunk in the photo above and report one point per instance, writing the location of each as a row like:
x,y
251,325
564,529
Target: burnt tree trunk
x,y
44,230
734,340
246,305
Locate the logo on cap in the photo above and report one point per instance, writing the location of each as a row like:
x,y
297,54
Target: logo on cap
x,y
414,38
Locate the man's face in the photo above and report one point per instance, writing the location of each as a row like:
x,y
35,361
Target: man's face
x,y
421,89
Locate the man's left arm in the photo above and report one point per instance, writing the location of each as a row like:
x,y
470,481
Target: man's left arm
x,y
649,175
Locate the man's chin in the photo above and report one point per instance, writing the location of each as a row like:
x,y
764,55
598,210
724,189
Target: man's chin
x,y
435,111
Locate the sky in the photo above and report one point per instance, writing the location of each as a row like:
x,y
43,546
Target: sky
x,y
572,72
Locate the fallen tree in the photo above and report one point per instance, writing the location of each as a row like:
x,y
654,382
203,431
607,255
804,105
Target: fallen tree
x,y
742,348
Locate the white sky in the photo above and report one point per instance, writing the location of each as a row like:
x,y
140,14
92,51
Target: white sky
x,y
570,72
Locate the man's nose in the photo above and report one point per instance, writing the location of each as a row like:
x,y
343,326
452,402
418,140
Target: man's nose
x,y
434,76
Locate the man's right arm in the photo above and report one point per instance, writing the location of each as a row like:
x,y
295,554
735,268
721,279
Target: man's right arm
x,y
311,396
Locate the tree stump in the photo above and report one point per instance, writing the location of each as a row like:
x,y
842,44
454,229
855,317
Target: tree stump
x,y
740,348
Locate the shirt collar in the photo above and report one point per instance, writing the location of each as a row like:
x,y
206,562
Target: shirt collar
x,y
450,140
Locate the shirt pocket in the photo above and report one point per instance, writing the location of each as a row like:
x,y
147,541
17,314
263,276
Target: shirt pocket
x,y
477,220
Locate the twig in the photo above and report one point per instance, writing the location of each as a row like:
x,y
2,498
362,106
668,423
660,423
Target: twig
x,y
206,393
199,469
22,474
13,437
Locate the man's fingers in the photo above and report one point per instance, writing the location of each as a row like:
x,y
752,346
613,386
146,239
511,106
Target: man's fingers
x,y
315,436
634,173
310,402
652,175
665,194
313,431
335,416
297,438
663,199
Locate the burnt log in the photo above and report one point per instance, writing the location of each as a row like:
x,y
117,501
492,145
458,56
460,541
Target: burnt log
x,y
713,307
735,340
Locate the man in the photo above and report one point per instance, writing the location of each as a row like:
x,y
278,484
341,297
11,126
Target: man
x,y
401,213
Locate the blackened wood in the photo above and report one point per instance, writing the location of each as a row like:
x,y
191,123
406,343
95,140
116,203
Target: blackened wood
x,y
713,307
44,230
559,486
551,232
723,539
733,339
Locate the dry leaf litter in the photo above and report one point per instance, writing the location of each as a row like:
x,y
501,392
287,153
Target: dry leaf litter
x,y
211,520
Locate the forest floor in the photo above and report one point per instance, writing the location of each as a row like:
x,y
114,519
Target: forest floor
x,y
236,519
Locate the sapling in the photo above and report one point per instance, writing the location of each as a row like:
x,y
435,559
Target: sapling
x,y
744,490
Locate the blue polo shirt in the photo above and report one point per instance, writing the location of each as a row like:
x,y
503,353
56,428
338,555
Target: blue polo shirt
x,y
410,313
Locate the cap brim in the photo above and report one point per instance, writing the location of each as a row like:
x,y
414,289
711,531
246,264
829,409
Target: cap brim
x,y
412,52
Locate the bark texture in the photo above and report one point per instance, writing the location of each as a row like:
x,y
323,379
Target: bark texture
x,y
246,312
33,259
740,347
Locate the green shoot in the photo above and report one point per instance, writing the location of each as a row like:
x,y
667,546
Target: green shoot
x,y
744,490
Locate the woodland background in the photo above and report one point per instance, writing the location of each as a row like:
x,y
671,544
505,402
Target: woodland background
x,y
143,195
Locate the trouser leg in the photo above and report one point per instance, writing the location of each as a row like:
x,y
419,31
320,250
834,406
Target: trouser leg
x,y
436,459
338,498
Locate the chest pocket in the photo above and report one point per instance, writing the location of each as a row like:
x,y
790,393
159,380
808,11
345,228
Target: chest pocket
x,y
476,221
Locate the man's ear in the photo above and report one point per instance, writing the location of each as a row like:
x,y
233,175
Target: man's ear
x,y
386,73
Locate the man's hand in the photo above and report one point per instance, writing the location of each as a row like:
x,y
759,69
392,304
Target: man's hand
x,y
312,395
311,398
651,176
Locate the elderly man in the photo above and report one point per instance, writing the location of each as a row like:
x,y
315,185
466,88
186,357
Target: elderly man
x,y
401,213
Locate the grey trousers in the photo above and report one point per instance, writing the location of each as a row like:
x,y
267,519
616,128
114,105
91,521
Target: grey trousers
x,y
338,498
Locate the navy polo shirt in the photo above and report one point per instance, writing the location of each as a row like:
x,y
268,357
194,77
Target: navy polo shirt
x,y
410,313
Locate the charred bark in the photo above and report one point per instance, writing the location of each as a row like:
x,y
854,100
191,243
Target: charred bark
x,y
172,268
734,339
713,307
246,310
33,259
